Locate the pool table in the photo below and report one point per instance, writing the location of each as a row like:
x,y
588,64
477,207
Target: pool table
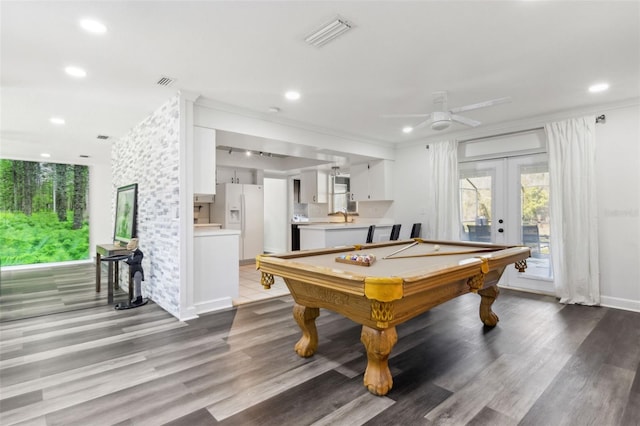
x,y
405,279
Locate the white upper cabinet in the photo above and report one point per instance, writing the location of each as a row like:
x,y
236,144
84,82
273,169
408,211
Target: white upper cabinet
x,y
313,186
238,175
371,181
204,160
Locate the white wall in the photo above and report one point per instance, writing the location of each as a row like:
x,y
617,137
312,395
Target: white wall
x,y
410,199
618,171
618,176
276,219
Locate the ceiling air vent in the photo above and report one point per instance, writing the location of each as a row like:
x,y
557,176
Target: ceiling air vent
x,y
103,137
328,32
165,81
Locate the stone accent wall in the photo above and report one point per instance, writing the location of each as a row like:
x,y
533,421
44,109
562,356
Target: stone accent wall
x,y
149,155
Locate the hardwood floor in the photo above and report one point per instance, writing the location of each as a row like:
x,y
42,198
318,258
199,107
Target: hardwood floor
x,y
544,364
50,289
26,293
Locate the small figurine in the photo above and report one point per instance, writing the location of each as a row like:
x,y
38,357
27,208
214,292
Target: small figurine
x,y
136,273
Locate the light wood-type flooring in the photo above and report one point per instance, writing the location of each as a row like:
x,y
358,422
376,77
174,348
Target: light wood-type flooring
x,y
544,364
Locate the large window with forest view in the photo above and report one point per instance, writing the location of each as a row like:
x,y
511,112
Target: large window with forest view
x,y
43,212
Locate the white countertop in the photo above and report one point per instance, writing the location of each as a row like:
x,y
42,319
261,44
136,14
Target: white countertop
x,y
214,232
338,226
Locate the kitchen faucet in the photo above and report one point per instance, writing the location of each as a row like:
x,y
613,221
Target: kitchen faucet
x,y
344,213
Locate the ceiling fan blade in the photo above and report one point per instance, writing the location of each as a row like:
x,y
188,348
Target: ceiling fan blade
x,y
403,115
423,122
484,104
465,120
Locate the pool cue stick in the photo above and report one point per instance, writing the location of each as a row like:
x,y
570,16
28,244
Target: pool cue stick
x,y
402,249
440,253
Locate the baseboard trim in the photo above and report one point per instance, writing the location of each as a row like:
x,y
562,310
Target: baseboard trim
x,y
619,303
213,305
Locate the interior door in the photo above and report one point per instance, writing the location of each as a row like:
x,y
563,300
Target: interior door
x,y
506,201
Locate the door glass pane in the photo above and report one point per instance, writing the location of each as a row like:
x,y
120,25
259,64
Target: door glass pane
x,y
534,186
475,206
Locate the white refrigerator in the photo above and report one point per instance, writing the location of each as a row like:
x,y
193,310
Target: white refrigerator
x,y
240,206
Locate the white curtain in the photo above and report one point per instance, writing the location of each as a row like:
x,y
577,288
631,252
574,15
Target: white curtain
x,y
442,187
573,210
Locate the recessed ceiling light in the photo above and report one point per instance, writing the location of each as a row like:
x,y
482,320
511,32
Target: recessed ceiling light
x,y
600,87
57,120
292,95
93,26
75,72
407,129
248,153
45,155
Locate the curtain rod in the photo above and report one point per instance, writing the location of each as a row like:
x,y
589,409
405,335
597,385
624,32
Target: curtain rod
x,y
599,119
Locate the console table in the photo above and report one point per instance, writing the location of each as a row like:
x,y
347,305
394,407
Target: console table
x,y
107,250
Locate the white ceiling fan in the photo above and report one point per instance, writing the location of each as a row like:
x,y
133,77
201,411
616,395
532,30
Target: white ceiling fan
x,y
442,117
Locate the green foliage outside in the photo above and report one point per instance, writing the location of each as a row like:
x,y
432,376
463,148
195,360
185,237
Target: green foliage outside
x,y
40,238
42,212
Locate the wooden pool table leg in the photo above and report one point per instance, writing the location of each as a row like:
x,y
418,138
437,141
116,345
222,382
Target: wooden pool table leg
x,y
488,295
306,319
378,343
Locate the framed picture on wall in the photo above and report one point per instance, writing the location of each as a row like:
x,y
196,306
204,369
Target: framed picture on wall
x,y
126,213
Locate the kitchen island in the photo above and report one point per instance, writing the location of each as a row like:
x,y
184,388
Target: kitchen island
x,y
340,234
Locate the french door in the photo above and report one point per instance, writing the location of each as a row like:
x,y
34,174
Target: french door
x,y
506,201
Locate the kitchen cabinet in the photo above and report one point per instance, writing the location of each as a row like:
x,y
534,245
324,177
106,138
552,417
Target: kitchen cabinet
x,y
371,181
203,198
204,161
236,175
313,186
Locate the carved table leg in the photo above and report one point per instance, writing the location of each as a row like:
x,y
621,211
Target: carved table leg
x,y
378,343
306,319
488,295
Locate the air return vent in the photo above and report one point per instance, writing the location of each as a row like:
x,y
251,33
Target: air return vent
x,y
328,32
165,81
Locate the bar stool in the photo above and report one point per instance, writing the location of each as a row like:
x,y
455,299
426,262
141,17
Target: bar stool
x,y
372,229
415,230
395,232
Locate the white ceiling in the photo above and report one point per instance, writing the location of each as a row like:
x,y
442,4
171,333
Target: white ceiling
x,y
542,54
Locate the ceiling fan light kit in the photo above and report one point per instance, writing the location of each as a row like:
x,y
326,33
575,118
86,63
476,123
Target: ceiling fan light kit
x,y
440,121
442,117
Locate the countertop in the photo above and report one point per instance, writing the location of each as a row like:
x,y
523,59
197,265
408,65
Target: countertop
x,y
342,225
214,232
